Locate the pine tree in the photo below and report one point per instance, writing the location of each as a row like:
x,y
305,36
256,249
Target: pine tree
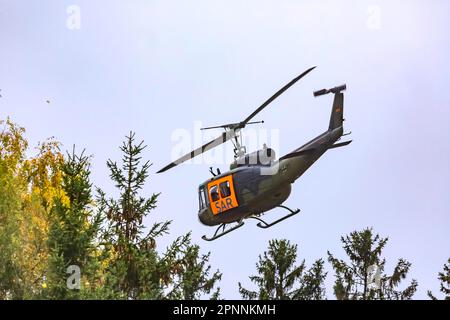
x,y
280,279
312,284
444,278
362,278
73,232
135,270
193,280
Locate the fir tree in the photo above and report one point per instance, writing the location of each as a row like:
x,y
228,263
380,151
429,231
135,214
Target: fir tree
x,y
280,279
193,280
362,278
444,278
312,284
73,233
135,271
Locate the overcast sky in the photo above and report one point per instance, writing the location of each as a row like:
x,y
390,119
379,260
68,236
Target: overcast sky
x,y
160,67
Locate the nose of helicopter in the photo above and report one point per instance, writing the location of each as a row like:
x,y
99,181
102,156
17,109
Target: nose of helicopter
x,y
206,217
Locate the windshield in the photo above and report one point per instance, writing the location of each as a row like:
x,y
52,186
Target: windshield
x,y
202,198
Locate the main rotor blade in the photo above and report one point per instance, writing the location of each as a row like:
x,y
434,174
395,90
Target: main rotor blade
x,y
276,95
208,146
221,126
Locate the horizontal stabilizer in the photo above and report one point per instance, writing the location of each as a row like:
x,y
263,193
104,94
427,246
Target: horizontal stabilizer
x,y
342,144
297,153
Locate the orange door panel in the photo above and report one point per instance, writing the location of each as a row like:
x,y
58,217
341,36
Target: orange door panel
x,y
221,195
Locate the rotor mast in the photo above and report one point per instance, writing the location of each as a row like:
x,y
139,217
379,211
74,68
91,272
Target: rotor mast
x,y
239,148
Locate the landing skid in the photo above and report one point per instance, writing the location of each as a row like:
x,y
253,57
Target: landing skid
x,y
264,225
223,225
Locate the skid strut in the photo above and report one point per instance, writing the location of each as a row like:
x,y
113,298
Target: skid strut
x,y
222,226
263,224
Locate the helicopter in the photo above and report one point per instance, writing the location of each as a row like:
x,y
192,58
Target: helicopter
x,y
256,182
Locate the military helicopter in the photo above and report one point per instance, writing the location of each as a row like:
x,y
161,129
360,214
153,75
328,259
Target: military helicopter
x,y
257,182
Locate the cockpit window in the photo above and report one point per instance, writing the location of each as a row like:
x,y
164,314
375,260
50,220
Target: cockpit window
x,y
202,198
225,190
214,192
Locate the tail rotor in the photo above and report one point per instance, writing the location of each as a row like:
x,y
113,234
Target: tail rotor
x,y
337,89
337,112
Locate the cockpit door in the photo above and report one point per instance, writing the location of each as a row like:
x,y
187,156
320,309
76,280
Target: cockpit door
x,y
221,195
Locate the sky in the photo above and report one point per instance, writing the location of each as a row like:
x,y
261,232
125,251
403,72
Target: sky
x,y
163,68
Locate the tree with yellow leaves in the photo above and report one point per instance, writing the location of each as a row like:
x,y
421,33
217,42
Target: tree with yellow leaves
x,y
27,189
12,187
43,176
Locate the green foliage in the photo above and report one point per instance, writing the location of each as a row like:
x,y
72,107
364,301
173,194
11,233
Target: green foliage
x,y
280,279
362,278
312,284
192,280
135,269
73,231
444,278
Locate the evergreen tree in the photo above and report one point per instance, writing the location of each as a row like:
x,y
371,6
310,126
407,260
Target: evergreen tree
x,y
312,284
362,278
135,270
280,279
193,280
73,232
444,278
